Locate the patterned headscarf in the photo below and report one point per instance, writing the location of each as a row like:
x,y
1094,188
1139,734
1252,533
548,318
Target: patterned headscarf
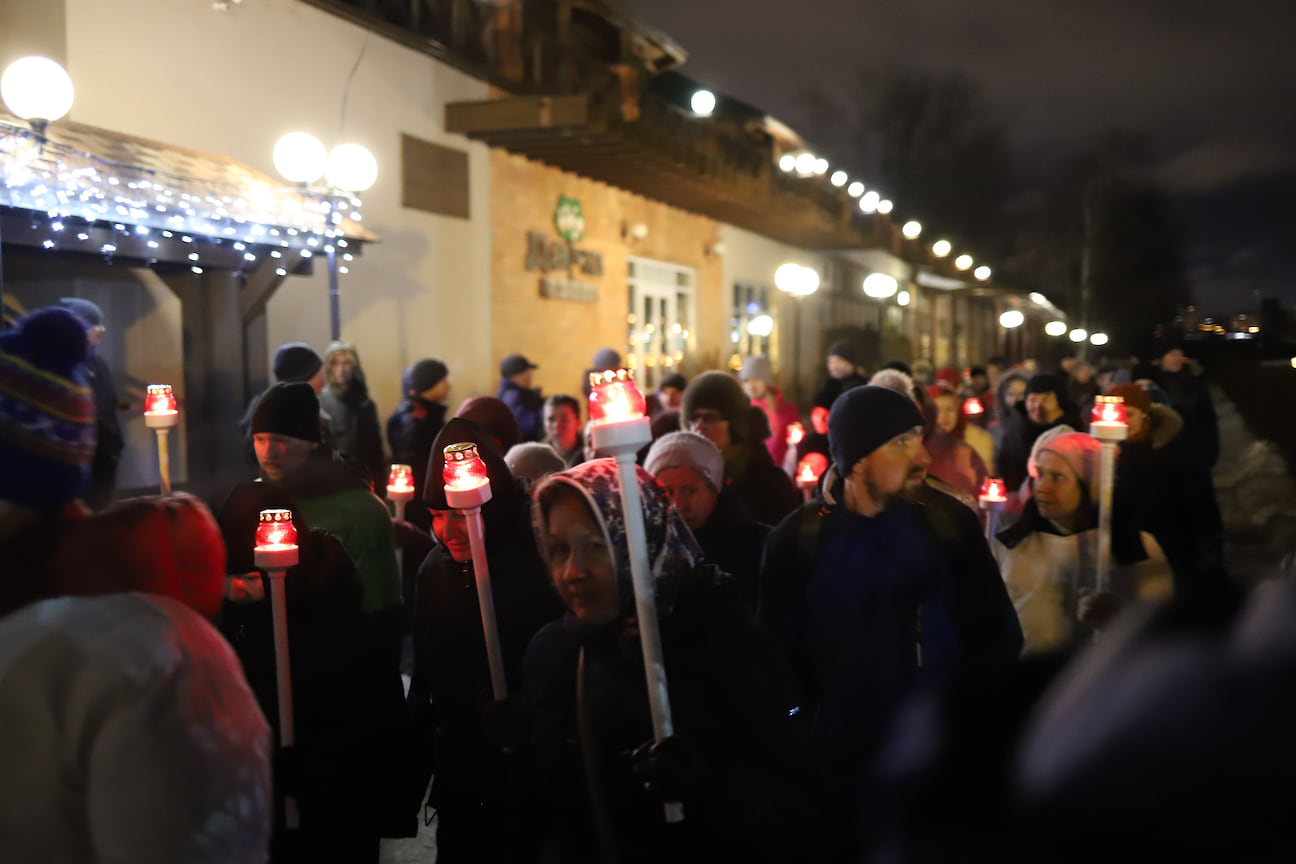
x,y
673,554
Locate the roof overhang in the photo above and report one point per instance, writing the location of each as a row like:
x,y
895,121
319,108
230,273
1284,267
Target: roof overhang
x,y
665,156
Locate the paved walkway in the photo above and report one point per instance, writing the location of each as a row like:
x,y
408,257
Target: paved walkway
x,y
1257,498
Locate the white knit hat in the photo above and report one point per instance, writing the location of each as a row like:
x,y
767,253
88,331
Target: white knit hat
x,y
687,450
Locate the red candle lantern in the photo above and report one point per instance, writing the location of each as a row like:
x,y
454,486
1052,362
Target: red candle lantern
x,y
1109,410
1108,422
992,491
614,398
972,407
464,468
160,409
400,482
795,434
275,547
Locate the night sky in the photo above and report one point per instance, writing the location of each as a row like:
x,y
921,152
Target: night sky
x,y
1211,84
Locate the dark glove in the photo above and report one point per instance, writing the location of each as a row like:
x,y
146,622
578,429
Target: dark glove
x,y
499,724
673,770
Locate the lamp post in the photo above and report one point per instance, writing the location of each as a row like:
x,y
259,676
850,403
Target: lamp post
x,y
160,414
617,411
275,550
467,488
992,502
1109,427
301,158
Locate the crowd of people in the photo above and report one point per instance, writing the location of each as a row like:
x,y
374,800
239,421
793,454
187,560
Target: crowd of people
x,y
856,673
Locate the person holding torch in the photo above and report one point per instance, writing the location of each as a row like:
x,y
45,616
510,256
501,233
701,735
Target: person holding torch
x,y
464,732
733,760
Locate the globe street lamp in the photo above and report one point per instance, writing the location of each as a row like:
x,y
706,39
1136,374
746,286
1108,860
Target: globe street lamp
x,y
1055,328
38,90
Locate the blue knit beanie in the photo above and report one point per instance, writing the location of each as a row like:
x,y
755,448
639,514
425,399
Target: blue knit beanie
x,y
863,419
47,413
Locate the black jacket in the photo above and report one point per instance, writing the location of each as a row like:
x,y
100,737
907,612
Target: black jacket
x,y
411,430
731,701
1019,435
761,487
1190,397
733,541
450,691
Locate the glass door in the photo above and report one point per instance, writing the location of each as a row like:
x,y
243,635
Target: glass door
x,y
658,321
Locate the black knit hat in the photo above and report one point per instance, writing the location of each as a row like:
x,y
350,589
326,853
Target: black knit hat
x,y
1045,383
676,380
719,391
865,418
296,361
424,375
288,408
844,350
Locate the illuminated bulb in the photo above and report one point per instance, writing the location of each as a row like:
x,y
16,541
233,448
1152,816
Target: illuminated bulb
x,y
703,103
855,189
785,277
197,270
351,168
193,256
787,162
36,88
614,398
963,262
761,325
869,202
880,286
1055,328
159,401
973,407
903,298
885,206
1038,298
838,178
795,434
911,229
982,273
1108,411
805,163
1079,334
941,248
1098,339
1012,318
300,157
821,166
48,244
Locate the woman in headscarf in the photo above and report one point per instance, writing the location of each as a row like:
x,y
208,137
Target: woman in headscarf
x,y
464,731
1048,558
732,761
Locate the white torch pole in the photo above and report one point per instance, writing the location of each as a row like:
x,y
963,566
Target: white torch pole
x,y
623,440
1107,484
275,562
486,600
164,459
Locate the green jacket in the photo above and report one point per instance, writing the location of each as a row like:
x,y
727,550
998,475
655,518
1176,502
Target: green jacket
x,y
333,496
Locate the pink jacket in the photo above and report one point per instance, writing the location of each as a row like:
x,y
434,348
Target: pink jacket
x,y
782,415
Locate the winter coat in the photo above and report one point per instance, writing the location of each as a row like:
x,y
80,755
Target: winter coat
x,y
129,735
527,406
781,414
1045,570
1163,492
1190,398
411,431
333,495
870,610
109,441
759,485
353,417
954,461
732,540
833,387
981,441
476,789
731,703
1001,410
